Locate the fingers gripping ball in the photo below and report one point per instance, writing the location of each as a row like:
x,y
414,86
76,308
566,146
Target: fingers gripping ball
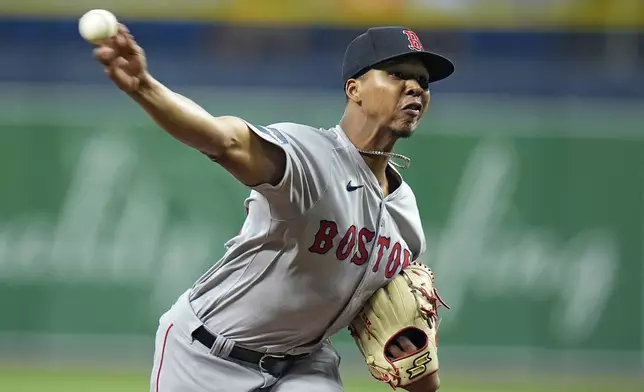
x,y
406,307
98,25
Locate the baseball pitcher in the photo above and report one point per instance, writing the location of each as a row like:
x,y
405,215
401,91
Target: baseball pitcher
x,y
331,240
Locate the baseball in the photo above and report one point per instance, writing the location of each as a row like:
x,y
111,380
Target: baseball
x,y
97,25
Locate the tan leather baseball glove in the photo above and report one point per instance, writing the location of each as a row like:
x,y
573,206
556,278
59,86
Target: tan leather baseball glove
x,y
406,307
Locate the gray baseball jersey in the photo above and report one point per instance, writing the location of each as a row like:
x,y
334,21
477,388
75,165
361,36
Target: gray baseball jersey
x,y
313,248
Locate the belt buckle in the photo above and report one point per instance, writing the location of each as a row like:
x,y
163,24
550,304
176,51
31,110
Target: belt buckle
x,y
266,357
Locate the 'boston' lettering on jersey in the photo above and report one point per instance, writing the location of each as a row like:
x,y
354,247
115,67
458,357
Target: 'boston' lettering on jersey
x,y
353,237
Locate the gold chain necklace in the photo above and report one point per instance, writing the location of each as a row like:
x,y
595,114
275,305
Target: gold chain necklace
x,y
390,155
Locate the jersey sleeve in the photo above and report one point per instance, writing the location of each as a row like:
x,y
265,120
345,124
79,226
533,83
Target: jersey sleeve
x,y
307,151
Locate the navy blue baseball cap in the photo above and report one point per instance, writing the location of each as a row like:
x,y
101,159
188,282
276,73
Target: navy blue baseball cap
x,y
379,44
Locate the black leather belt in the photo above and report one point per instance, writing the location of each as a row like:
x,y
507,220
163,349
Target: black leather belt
x,y
273,364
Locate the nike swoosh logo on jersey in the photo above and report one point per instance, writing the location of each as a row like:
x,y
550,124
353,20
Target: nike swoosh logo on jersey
x,y
352,188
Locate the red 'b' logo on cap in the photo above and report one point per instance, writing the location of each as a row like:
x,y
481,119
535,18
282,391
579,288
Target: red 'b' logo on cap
x,y
414,41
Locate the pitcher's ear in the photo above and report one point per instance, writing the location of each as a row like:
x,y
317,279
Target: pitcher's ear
x,y
352,90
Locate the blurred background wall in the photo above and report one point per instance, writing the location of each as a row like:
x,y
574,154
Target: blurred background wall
x,y
528,168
